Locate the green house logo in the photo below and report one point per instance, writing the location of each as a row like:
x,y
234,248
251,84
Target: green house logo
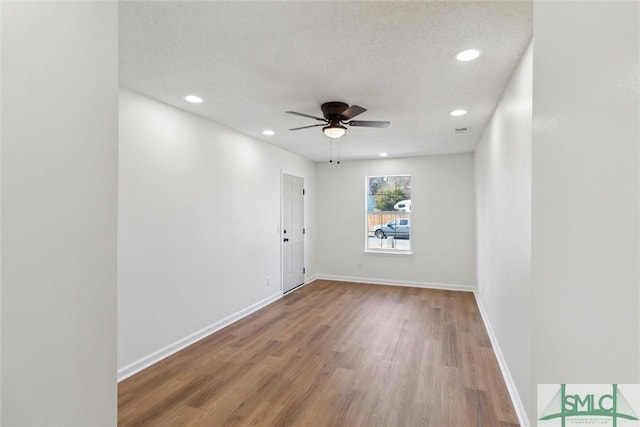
x,y
587,405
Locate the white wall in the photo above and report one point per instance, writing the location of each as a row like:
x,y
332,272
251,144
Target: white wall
x,y
585,254
199,217
442,221
503,197
59,195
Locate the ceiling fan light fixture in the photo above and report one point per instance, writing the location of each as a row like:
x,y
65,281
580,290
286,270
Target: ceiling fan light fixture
x,y
334,130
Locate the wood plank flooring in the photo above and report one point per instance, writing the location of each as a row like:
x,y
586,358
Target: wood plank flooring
x,y
332,354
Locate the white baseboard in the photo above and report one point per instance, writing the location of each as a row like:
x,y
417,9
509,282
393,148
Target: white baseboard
x,y
427,285
311,279
504,368
155,357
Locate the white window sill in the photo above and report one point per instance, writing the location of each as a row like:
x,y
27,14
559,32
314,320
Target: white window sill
x,y
386,252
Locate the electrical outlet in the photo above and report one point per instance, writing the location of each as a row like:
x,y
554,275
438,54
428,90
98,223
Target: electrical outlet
x,y
268,282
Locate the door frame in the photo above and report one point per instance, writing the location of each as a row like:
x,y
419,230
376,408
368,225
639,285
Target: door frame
x,y
281,235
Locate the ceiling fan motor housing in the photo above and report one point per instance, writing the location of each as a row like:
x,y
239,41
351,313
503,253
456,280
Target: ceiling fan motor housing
x,y
332,110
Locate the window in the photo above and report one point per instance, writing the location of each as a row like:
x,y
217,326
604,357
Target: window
x,y
388,213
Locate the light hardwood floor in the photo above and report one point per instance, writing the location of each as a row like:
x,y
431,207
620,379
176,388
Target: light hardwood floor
x,y
332,354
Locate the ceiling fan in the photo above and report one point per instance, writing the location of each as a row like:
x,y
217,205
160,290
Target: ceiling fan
x,y
337,116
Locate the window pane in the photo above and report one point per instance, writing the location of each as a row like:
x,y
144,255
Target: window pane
x,y
388,212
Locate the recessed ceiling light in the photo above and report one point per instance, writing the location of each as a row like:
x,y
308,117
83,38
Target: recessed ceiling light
x,y
194,99
383,154
458,113
268,132
468,55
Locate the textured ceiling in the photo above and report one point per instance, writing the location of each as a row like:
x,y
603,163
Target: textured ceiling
x,y
252,61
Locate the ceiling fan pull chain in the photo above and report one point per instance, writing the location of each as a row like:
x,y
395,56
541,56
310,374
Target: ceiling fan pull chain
x,y
330,150
338,150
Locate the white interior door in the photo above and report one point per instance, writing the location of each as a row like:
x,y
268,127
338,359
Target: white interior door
x,y
292,232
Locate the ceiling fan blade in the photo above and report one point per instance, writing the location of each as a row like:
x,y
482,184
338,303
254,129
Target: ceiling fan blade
x,y
310,126
351,112
368,124
305,115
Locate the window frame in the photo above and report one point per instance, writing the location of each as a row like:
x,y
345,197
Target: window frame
x,y
404,215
